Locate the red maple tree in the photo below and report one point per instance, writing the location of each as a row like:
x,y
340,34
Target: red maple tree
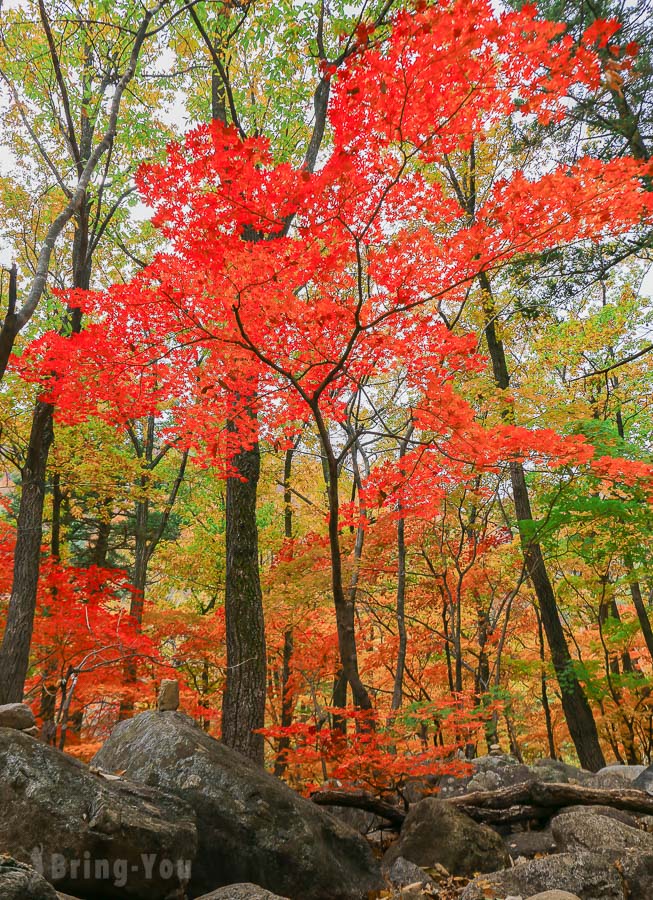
x,y
286,292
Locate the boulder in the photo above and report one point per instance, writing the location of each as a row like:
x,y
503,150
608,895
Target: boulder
x,y
19,881
490,779
403,872
241,892
583,829
251,826
610,812
553,770
436,833
554,895
87,835
16,715
528,844
637,872
644,781
615,776
592,876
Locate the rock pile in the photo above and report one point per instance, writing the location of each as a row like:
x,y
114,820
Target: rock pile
x,y
165,812
565,852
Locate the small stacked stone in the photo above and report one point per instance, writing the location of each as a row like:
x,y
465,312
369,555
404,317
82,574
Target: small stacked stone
x,y
20,717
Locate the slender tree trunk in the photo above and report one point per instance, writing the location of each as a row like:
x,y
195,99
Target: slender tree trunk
x,y
57,503
400,615
287,702
577,710
287,699
345,611
9,328
544,692
635,588
340,683
243,704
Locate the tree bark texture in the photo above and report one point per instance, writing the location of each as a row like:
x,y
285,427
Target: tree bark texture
x,y
243,704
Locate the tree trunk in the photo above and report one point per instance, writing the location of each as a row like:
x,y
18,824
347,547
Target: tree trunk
x,y
287,699
400,614
640,609
9,328
100,549
14,652
544,692
345,611
243,704
577,710
287,702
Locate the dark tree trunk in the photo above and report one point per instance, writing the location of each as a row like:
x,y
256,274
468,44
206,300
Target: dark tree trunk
x,y
400,614
340,683
635,588
345,610
57,503
243,704
578,713
9,328
287,699
100,549
287,702
642,615
544,691
14,652
577,710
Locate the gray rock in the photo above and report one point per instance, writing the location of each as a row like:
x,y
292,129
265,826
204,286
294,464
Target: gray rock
x,y
168,699
19,881
494,762
553,770
554,895
241,892
85,834
587,830
644,781
616,776
529,844
592,876
637,872
436,833
403,872
619,815
16,715
447,786
493,779
251,826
